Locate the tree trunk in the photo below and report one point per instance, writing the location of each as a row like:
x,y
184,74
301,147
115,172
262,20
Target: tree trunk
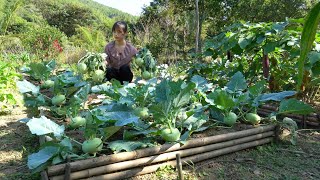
x,y
197,27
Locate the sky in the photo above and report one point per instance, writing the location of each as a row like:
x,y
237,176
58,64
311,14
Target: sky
x,y
133,7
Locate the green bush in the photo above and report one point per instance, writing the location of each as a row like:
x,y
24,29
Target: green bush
x,y
46,42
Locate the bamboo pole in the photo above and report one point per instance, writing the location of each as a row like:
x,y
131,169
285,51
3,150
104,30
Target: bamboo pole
x,y
162,157
104,160
310,119
293,116
274,108
194,159
309,122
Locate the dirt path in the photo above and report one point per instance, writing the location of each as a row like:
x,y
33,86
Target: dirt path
x,y
16,142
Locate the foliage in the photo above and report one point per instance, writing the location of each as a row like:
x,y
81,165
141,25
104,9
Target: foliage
x,y
89,39
308,35
66,17
8,76
10,7
47,27
175,108
259,50
176,20
45,42
145,63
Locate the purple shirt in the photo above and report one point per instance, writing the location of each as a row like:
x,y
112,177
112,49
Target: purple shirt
x,y
116,60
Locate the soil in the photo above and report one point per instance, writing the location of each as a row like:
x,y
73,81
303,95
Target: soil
x,y
272,161
16,142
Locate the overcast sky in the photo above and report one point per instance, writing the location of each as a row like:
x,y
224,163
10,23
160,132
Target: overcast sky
x,y
133,7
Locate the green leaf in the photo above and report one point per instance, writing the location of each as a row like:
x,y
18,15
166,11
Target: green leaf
x,y
258,88
82,94
294,106
279,26
314,57
275,96
130,135
270,47
307,38
42,126
25,86
243,42
163,91
260,39
109,131
198,80
316,70
221,99
66,142
184,96
121,114
195,122
237,82
128,146
37,159
39,70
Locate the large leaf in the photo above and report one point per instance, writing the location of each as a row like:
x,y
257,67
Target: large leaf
x,y
199,81
257,89
279,26
109,131
128,146
25,86
184,96
121,114
243,42
195,122
275,96
121,117
307,38
237,82
82,94
314,57
42,126
163,91
270,47
294,106
39,70
34,101
221,99
37,159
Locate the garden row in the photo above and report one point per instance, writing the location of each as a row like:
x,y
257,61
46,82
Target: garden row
x,y
143,114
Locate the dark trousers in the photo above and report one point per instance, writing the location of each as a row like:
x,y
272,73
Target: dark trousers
x,y
122,74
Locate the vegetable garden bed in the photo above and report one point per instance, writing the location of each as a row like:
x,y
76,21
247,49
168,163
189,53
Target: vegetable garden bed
x,y
143,161
86,118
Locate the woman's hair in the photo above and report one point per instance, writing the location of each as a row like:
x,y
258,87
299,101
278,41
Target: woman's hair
x,y
120,24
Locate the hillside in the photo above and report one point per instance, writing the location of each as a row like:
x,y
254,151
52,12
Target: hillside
x,y
75,23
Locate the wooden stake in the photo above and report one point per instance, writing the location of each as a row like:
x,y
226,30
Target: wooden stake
x,y
179,167
67,174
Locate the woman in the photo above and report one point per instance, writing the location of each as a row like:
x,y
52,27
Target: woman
x,y
120,53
